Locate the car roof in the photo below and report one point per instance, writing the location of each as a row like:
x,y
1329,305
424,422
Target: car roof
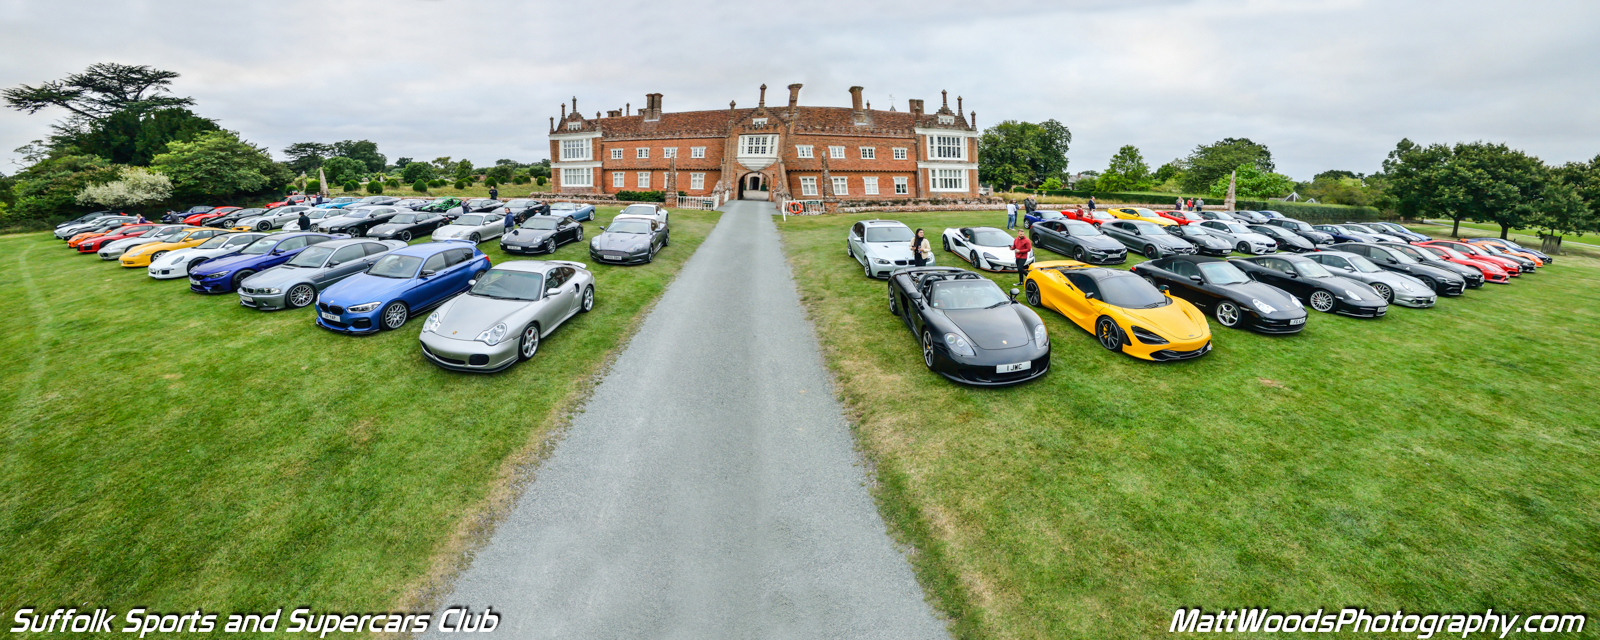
x,y
429,248
1342,254
883,223
530,266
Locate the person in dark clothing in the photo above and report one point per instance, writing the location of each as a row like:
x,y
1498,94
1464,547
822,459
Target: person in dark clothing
x,y
1032,203
1020,248
304,221
494,194
920,249
141,220
1091,203
511,220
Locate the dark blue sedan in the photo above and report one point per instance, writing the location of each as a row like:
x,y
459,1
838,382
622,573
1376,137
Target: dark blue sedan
x,y
224,275
399,285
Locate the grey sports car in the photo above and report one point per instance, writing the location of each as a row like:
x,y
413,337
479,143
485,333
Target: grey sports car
x,y
1396,288
501,319
629,240
270,219
114,249
1147,238
475,227
294,284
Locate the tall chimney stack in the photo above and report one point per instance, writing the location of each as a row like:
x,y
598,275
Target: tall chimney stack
x,y
652,106
563,111
959,110
855,99
763,101
944,98
794,95
916,106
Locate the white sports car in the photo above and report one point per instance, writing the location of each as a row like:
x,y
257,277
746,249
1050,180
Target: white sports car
x,y
177,263
475,227
272,219
652,210
986,248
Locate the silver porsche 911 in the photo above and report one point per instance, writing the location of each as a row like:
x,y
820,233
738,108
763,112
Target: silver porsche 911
x,y
501,319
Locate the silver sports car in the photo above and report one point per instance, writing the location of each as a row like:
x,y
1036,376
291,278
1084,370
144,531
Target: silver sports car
x,y
1396,288
475,227
294,284
115,248
502,318
271,219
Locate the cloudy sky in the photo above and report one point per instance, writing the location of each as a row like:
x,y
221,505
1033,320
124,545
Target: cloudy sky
x,y
1324,83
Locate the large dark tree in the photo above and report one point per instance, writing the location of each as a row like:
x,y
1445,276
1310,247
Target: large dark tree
x,y
364,151
97,93
134,137
1211,161
305,157
1013,153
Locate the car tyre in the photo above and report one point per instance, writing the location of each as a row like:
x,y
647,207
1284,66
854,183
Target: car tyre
x,y
394,316
1227,314
550,245
1322,300
1151,252
263,226
1079,255
894,303
1032,291
474,238
587,304
927,349
849,250
1108,333
946,242
300,296
1384,290
193,264
239,276
1243,248
866,267
529,344
403,236
580,235
1432,284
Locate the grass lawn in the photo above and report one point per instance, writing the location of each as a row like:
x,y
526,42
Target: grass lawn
x,y
1435,460
170,450
1572,244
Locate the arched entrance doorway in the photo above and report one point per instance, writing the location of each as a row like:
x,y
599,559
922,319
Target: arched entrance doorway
x,y
753,186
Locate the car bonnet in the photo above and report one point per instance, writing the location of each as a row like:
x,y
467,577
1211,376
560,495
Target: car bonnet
x,y
889,250
992,329
1178,320
362,288
466,316
530,236
620,241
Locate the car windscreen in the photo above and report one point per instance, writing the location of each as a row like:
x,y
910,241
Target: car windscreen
x,y
987,237
373,199
1081,229
245,213
1311,269
165,232
504,284
544,223
404,218
519,203
1362,264
1400,255
1193,230
395,266
888,234
640,210
1130,292
629,226
318,214
260,247
214,242
955,295
1147,228
563,206
470,221
311,257
1296,225
1222,273
1235,227
1146,213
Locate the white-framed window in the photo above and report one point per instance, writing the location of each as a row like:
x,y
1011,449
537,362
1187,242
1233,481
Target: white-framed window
x,y
757,145
841,186
869,185
803,151
900,186
574,126
697,181
616,154
947,119
641,152
617,180
947,148
697,152
669,152
808,185
577,177
836,153
575,149
644,179
899,153
949,179
760,122
869,153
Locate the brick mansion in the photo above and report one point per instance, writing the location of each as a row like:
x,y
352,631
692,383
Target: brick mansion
x,y
770,153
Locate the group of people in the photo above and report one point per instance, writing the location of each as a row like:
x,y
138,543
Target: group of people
x,y
922,250
1192,204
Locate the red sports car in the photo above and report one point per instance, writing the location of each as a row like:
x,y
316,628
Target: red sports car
x,y
92,245
1491,272
200,218
1501,250
1092,217
1473,253
287,201
1181,217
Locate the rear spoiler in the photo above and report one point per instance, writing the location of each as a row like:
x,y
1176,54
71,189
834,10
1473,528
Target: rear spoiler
x,y
570,263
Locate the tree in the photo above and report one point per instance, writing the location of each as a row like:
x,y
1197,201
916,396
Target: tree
x,y
1476,181
463,171
364,151
400,163
416,171
1127,171
1336,174
1013,153
444,165
540,169
100,91
341,169
218,166
500,173
1209,162
134,137
1168,171
50,187
135,186
1252,182
306,157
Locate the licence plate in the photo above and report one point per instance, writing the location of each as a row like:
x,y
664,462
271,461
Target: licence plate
x,y
330,317
194,281
1011,368
1298,321
248,299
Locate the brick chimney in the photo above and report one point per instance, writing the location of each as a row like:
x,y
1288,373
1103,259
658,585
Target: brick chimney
x,y
916,107
652,106
855,99
563,111
794,95
614,113
763,101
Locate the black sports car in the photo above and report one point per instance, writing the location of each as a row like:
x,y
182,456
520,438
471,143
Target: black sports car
x,y
1313,284
406,225
1473,276
1442,281
1205,242
1287,240
629,241
1078,239
356,223
1225,292
1147,238
971,331
1302,229
524,208
542,234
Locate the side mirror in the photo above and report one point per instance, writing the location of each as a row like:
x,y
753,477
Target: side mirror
x,y
335,263
1291,274
602,227
472,282
427,273
1195,278
1014,292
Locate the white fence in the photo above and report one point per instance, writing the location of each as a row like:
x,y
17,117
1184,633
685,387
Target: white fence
x,y
697,202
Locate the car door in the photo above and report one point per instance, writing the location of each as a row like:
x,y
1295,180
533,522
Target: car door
x,y
1185,285
1273,271
1075,303
433,282
563,300
345,262
566,231
858,248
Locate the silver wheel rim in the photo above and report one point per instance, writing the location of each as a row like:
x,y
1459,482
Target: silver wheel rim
x,y
893,308
1322,301
1227,314
1033,294
1108,335
550,246
1385,291
394,316
580,234
530,342
588,299
300,296
927,350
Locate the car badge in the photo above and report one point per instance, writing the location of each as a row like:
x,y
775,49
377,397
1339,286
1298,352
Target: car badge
x,y
454,332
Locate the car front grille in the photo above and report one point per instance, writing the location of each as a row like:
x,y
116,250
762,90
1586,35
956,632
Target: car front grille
x,y
1166,355
331,308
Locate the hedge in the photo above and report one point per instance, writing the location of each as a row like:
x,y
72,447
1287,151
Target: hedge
x,y
642,196
1315,212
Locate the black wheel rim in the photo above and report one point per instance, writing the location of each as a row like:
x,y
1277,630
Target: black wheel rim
x,y
300,296
1078,253
394,316
1322,301
1227,314
1033,293
1150,252
1108,335
240,276
405,236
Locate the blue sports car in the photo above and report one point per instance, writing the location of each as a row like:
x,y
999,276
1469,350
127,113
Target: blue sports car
x,y
339,203
1039,215
579,212
223,275
402,283
1340,234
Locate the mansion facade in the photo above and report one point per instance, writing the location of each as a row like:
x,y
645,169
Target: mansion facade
x,y
769,153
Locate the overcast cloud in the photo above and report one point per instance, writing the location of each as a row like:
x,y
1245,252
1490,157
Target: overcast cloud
x,y
1326,84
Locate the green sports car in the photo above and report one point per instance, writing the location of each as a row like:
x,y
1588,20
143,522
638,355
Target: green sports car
x,y
441,205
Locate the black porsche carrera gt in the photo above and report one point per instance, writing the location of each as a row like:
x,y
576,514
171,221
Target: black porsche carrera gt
x,y
1226,293
970,330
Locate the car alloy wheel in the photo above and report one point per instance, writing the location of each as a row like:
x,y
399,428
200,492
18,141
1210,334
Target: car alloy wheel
x,y
894,304
1077,254
240,276
1430,284
263,226
927,349
157,254
474,238
588,299
580,235
1033,293
1151,252
300,295
946,242
1384,291
530,342
550,245
394,315
1243,248
404,236
1322,301
1227,313
849,250
866,267
1109,334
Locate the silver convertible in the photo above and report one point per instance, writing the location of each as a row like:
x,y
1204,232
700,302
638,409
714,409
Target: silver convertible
x,y
509,309
294,284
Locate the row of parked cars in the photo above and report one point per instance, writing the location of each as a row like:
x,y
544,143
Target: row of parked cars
x,y
973,332
363,278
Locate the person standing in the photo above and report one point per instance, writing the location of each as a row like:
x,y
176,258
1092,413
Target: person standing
x,y
304,222
920,249
141,220
1178,204
494,194
1011,214
511,220
1091,203
1031,203
1020,248
1199,203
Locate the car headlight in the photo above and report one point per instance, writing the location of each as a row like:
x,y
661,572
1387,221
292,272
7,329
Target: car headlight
x,y
1407,286
271,291
1297,304
594,244
433,322
1039,336
990,256
880,261
1354,295
363,307
1147,336
216,275
493,335
1262,306
958,344
637,248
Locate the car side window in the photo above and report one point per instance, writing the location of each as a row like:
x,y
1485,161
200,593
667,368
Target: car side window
x,y
855,231
347,254
553,279
373,248
966,234
1185,268
567,273
311,240
1084,283
292,243
435,262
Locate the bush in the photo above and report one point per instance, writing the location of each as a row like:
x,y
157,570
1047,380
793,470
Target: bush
x,y
436,182
1053,183
541,181
641,196
313,185
352,186
374,187
420,186
490,182
461,184
519,179
393,183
